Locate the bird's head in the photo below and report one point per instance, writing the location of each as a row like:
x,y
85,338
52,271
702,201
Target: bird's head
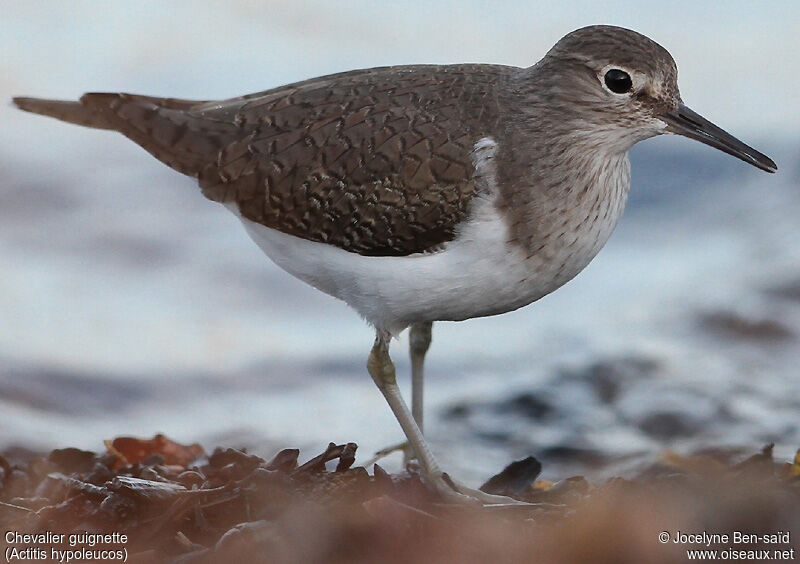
x,y
624,88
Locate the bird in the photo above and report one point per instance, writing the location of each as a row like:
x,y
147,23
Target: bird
x,y
426,193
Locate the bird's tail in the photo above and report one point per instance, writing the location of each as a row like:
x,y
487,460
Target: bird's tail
x,y
167,128
72,112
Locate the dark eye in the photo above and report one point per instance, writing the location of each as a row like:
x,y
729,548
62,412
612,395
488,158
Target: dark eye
x,y
618,81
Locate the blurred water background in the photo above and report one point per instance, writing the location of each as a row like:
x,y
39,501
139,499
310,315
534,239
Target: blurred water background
x,y
131,305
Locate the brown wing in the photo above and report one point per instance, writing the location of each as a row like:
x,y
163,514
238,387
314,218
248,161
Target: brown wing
x,y
376,162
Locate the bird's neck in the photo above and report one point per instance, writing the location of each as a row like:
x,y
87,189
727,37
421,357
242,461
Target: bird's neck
x,y
561,187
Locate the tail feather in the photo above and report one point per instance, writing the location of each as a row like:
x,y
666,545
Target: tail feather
x,y
72,112
167,128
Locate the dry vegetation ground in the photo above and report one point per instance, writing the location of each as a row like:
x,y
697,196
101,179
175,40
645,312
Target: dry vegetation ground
x,y
175,503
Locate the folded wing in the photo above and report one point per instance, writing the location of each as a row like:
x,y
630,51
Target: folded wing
x,y
376,162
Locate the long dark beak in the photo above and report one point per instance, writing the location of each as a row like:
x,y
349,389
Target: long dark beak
x,y
688,123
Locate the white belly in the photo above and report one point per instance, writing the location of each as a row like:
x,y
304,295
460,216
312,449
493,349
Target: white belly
x,y
477,274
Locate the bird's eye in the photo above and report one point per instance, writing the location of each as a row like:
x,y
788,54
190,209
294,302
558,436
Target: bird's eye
x,y
618,81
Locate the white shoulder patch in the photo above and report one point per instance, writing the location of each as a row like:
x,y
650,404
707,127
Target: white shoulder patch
x,y
483,160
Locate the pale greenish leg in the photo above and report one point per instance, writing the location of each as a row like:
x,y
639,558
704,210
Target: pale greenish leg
x,y
419,343
382,370
419,337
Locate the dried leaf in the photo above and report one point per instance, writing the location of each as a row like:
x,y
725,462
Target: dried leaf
x,y
130,450
793,469
515,480
704,465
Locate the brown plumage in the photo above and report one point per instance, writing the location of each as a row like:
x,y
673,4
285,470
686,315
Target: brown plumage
x,y
376,162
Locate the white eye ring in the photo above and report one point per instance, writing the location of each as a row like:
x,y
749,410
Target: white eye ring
x,y
637,80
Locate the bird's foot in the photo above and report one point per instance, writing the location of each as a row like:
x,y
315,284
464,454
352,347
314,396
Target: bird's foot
x,y
451,490
456,492
404,447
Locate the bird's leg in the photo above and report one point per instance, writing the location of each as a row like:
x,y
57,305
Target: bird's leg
x,y
419,342
419,337
382,370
